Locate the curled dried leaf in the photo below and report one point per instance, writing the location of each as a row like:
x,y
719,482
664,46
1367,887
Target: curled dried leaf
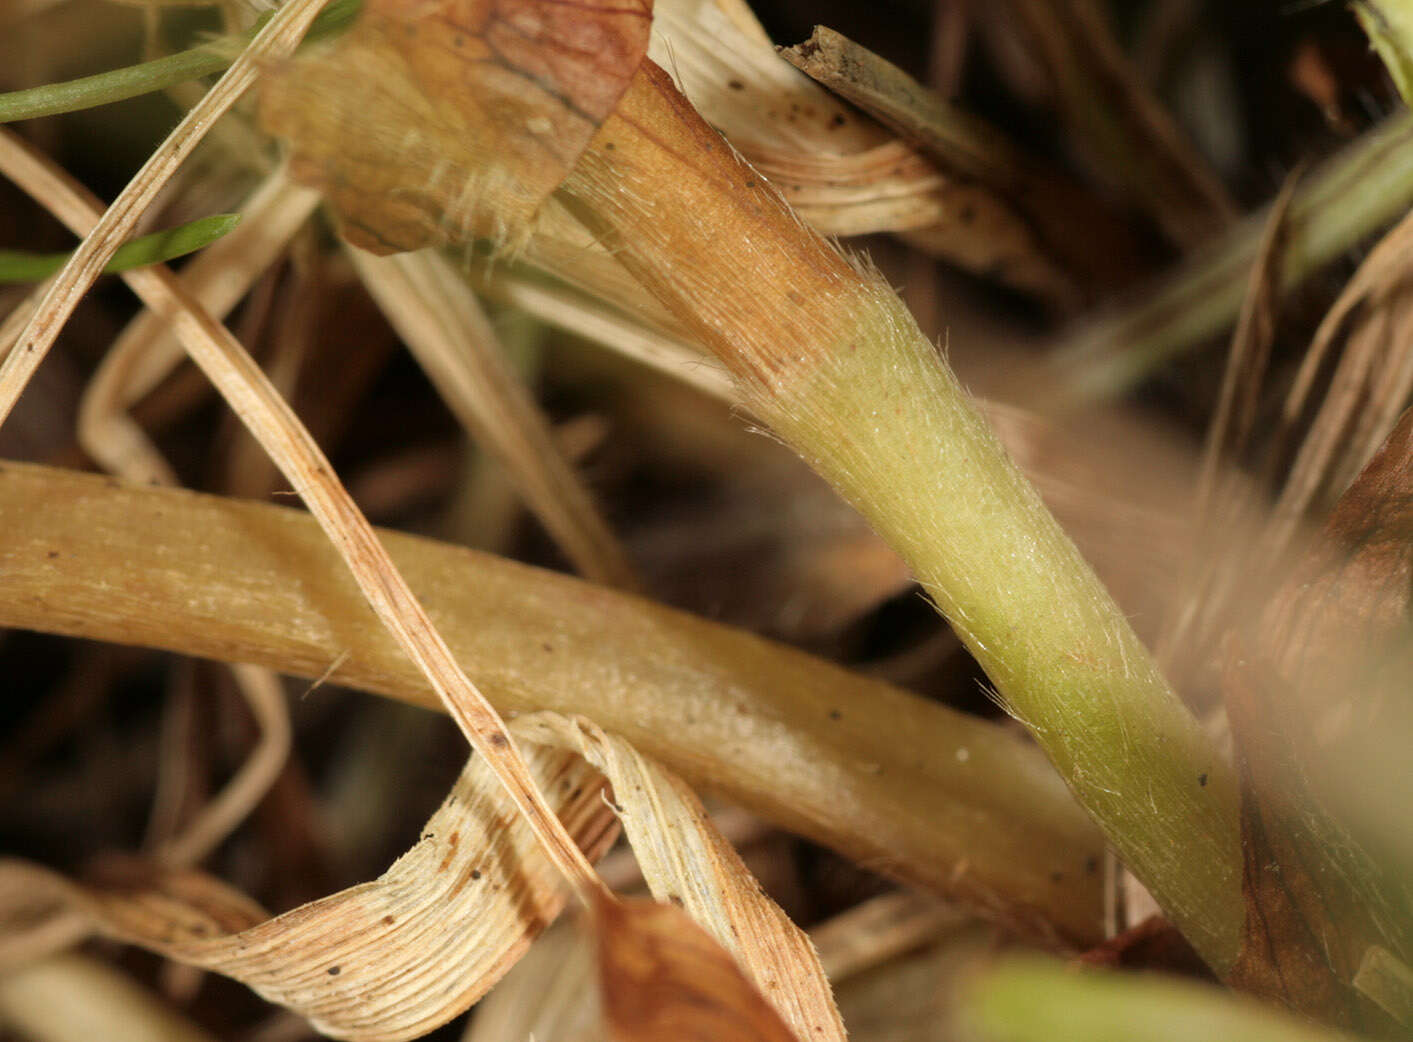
x,y
435,121
382,961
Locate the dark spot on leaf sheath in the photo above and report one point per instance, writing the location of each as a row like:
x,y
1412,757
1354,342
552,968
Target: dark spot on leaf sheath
x,y
454,838
736,85
834,714
1091,864
751,183
52,554
499,740
334,971
837,122
1057,877
475,873
388,920
1202,779
609,146
547,646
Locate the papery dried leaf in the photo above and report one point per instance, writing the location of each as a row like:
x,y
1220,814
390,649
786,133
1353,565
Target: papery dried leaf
x,y
1324,687
435,121
687,862
664,977
382,961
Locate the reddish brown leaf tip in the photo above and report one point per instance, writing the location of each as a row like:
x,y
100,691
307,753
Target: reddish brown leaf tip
x,y
663,977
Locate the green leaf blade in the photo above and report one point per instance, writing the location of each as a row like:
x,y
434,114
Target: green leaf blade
x,y
19,266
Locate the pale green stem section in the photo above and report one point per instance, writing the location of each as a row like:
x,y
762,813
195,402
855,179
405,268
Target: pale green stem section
x,y
1030,1000
886,422
832,360
1351,195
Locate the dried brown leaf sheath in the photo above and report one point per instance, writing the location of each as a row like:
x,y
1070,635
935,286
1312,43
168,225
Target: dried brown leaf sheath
x,y
665,978
437,120
383,961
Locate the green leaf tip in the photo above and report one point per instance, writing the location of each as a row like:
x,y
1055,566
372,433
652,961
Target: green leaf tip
x,y
157,248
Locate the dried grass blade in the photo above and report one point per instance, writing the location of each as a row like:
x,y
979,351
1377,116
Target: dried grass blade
x,y
434,311
147,351
687,862
1357,375
386,960
567,310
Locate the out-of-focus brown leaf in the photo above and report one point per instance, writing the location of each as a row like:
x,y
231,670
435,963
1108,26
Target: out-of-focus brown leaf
x,y
1127,135
1222,529
1319,685
434,121
382,961
663,977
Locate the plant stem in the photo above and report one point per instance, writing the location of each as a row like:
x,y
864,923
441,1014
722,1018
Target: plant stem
x,y
829,356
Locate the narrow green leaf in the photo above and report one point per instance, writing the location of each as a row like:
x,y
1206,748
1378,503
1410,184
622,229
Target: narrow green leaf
x,y
1040,1000
114,85
157,248
130,81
